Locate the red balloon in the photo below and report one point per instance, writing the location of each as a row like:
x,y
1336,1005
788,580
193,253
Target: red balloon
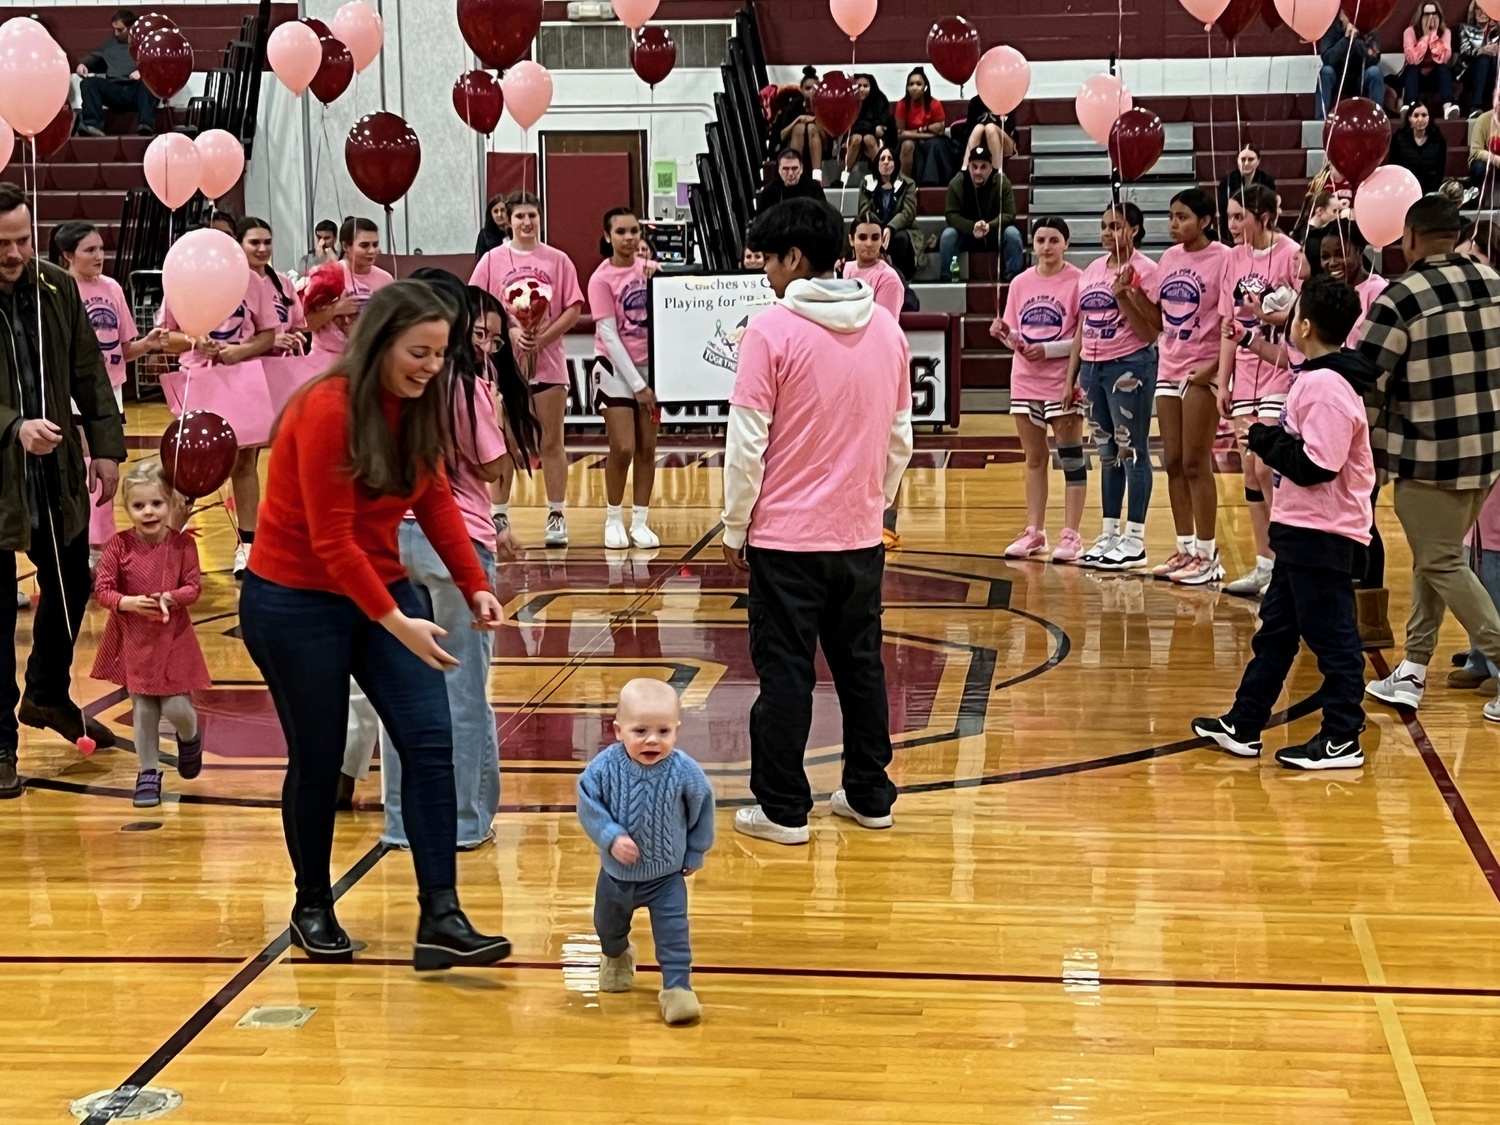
x,y
50,140
198,452
1135,142
1272,17
835,103
165,61
652,54
499,31
383,155
335,72
144,26
1367,15
478,100
1356,137
320,29
953,48
1239,15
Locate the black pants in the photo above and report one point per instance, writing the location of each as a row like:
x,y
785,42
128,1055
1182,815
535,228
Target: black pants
x,y
903,253
307,644
121,94
798,599
1316,605
1479,84
62,574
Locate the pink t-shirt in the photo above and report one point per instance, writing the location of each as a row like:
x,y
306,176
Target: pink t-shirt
x,y
1041,310
256,314
1368,289
288,306
1487,530
1250,271
1329,416
1186,287
361,286
1106,332
833,398
620,292
890,290
503,266
474,445
109,315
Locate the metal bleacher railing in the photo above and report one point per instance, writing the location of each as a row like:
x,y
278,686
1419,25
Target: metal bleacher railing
x,y
723,199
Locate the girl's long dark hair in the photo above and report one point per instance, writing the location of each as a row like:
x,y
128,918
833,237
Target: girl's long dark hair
x,y
515,395
243,227
465,370
877,106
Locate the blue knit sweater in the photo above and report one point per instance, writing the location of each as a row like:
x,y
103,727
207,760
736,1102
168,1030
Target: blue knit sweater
x,y
667,809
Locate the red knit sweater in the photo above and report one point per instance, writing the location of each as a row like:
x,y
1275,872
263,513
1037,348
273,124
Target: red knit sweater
x,y
319,530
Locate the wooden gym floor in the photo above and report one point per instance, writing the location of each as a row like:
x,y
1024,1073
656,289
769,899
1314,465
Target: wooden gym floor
x,y
1081,915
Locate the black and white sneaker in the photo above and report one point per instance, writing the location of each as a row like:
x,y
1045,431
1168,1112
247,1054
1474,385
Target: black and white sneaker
x,y
1323,753
1239,743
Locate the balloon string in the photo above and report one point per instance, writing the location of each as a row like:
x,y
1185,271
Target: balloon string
x,y
1213,130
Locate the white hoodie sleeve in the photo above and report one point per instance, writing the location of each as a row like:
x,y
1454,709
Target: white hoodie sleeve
x,y
618,357
745,444
897,455
1058,349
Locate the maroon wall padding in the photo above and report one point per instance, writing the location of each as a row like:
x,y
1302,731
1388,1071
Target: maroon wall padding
x,y
580,187
506,173
79,29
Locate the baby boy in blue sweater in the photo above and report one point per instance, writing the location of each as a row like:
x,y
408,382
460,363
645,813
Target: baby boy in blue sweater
x,y
651,811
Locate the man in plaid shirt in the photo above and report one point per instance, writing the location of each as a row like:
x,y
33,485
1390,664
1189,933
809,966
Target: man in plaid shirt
x,y
1435,430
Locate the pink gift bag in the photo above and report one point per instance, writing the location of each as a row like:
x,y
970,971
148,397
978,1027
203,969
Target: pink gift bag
x,y
237,392
286,375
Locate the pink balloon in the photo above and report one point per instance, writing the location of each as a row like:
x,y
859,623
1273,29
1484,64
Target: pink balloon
x,y
22,25
1205,11
7,144
1491,9
854,17
204,279
1308,18
1381,203
221,162
34,81
635,14
1003,78
359,27
1100,101
295,55
173,168
527,89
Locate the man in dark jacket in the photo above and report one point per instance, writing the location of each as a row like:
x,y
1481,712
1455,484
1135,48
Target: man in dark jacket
x,y
44,491
791,182
981,212
1351,66
111,81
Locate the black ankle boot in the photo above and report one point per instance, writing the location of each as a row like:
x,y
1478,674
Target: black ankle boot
x,y
445,938
317,932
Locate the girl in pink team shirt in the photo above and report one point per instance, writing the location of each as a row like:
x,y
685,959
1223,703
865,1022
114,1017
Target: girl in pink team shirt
x,y
255,240
524,258
1262,265
1039,325
869,239
1115,364
620,305
360,239
1186,291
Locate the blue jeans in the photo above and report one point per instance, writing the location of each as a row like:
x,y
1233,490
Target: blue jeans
x,y
476,745
122,94
617,900
1489,576
1120,394
1328,84
1008,242
307,644
1439,78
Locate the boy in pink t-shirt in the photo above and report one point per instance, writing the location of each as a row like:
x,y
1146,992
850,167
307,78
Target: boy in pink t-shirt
x,y
819,435
1324,475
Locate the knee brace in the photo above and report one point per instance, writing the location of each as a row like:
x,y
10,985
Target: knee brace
x,y
1075,468
1255,496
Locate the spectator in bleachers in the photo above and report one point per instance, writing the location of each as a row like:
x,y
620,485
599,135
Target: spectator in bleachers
x,y
495,231
790,182
325,246
111,81
981,213
1484,151
874,127
988,129
920,120
1420,149
892,198
1351,66
1429,58
796,128
1480,241
1478,44
1247,171
223,221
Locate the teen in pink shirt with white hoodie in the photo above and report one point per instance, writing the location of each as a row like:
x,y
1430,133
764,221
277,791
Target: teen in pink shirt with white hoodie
x,y
819,435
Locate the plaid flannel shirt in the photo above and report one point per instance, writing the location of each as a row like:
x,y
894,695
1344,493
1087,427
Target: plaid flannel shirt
x,y
1435,335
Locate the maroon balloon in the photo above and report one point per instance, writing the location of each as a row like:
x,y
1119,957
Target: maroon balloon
x,y
320,29
1356,137
953,48
51,139
335,72
652,54
499,31
478,101
198,452
1271,16
144,26
1239,15
165,61
383,155
835,103
1135,142
1367,15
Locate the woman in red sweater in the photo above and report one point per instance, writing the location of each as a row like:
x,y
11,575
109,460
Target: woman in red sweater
x,y
327,598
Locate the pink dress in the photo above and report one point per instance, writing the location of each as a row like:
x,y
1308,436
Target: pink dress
x,y
145,655
503,266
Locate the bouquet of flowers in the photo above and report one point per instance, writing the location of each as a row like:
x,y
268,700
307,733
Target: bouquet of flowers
x,y
528,301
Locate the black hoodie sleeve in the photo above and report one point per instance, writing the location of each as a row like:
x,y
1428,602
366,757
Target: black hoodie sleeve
x,y
1287,456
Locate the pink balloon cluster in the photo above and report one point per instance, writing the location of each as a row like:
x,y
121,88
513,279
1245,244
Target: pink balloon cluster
x,y
295,53
34,76
177,168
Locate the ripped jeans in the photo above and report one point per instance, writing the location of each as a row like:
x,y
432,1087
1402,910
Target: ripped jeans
x,y
1120,394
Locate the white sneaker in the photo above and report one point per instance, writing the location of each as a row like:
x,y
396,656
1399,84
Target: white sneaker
x,y
1128,553
1492,710
23,599
840,806
1251,585
643,537
753,822
241,560
1403,687
615,536
1102,546
557,531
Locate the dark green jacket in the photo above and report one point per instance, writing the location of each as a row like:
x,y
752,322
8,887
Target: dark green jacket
x,y
72,369
995,203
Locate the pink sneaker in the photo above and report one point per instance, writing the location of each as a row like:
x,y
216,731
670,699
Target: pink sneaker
x,y
1176,562
1069,547
1199,572
1031,542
